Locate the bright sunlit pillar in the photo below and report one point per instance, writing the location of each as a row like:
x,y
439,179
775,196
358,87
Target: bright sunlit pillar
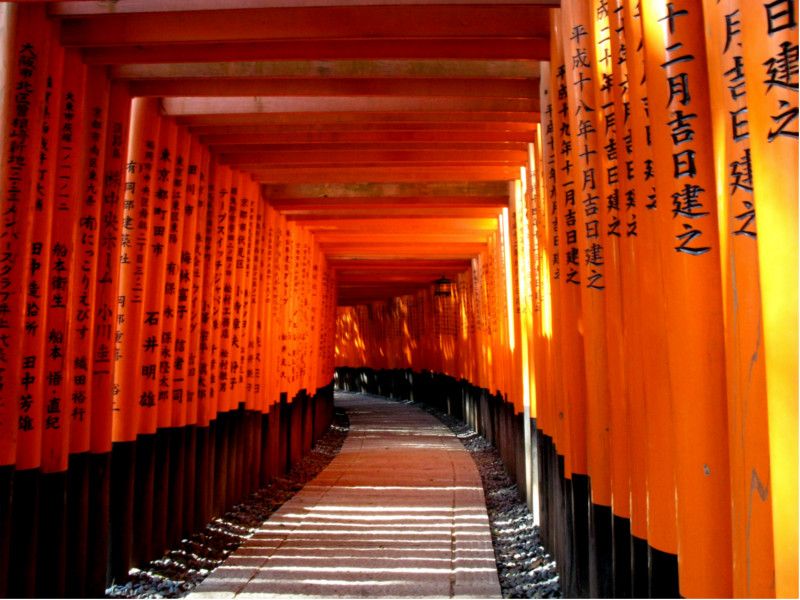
x,y
526,334
504,232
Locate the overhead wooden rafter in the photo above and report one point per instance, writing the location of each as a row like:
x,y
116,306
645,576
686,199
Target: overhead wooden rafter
x,y
388,128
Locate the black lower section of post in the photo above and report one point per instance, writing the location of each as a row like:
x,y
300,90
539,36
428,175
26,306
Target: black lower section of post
x,y
24,533
77,524
602,552
123,480
663,568
622,557
99,525
6,494
52,556
640,583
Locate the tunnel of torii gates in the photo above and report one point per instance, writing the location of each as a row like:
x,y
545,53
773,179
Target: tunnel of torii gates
x,y
206,214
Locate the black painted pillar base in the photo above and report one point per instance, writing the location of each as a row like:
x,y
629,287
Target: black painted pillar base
x,y
122,486
640,586
144,491
581,494
77,524
622,557
160,497
601,552
190,487
202,479
176,437
663,579
99,519
24,533
284,463
51,566
6,494
220,464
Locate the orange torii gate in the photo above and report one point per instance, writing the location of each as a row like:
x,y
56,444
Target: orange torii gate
x,y
204,212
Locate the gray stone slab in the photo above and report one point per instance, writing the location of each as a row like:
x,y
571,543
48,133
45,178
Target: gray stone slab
x,y
399,513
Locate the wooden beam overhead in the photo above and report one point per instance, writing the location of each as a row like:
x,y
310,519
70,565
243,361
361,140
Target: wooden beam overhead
x,y
387,174
334,69
387,129
214,105
403,227
309,139
72,8
361,121
445,190
380,214
351,87
305,23
487,48
346,157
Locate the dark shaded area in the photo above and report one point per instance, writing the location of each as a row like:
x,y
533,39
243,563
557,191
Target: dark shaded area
x,y
179,570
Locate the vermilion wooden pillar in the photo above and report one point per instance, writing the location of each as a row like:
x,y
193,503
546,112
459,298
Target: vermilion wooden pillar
x,y
769,52
130,535
80,356
751,509
609,100
629,207
104,521
22,376
661,515
689,246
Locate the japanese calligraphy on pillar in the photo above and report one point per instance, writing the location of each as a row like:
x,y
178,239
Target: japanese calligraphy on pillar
x,y
36,276
108,266
583,118
129,373
173,353
569,224
186,308
62,266
608,100
198,186
626,160
780,78
690,198
82,331
226,306
23,143
154,369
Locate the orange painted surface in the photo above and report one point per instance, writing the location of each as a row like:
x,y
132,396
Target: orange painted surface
x,y
89,199
769,41
686,220
68,123
751,506
21,423
140,180
630,206
217,247
106,300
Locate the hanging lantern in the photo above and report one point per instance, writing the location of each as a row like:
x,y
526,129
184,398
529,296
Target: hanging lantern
x,y
443,287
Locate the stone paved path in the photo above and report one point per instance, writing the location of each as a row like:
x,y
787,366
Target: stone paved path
x,y
399,512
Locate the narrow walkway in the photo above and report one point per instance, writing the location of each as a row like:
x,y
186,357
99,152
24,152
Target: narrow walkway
x,y
399,512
